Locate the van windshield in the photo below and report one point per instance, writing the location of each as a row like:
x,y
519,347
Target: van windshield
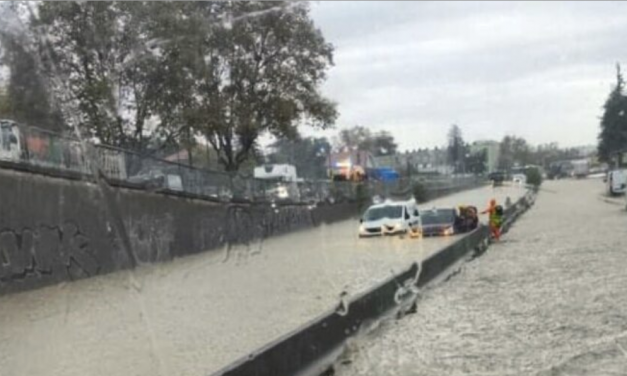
x,y
391,212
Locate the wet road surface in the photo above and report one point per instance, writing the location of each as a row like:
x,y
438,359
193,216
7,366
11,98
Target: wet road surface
x,y
195,315
550,300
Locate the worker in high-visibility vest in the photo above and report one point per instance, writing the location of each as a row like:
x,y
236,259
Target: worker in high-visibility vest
x,y
495,220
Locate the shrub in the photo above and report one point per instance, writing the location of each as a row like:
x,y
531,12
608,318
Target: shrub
x,y
534,176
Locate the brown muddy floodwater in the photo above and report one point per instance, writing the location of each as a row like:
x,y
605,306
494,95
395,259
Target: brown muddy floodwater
x,y
195,315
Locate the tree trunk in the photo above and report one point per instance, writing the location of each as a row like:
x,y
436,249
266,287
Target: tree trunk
x,y
190,160
229,165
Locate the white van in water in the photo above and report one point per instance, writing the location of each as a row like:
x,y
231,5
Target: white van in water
x,y
616,182
390,218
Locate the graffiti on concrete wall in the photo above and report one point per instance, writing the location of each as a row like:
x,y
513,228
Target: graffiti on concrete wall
x,y
286,219
46,250
244,224
64,252
151,238
240,226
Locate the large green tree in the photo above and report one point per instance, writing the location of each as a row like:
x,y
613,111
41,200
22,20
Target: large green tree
x,y
27,98
613,135
514,151
457,148
142,75
382,143
256,68
477,162
105,57
352,138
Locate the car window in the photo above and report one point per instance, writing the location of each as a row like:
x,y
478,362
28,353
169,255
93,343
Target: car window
x,y
440,216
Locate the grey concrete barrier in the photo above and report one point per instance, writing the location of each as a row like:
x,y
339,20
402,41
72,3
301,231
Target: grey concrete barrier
x,y
308,346
437,263
518,209
313,348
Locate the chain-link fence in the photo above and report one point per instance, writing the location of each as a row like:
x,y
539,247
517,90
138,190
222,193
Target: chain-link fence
x,y
44,149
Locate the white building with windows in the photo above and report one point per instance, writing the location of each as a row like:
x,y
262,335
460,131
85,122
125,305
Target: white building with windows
x,y
492,149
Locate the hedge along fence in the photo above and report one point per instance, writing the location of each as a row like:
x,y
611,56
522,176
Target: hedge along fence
x,y
313,348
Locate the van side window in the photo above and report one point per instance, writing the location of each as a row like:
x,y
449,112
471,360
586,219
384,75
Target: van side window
x,y
416,214
407,213
7,137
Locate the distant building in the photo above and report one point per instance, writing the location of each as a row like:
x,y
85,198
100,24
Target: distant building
x,y
389,161
430,161
586,151
492,149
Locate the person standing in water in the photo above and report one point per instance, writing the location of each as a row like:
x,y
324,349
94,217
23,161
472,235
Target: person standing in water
x,y
495,221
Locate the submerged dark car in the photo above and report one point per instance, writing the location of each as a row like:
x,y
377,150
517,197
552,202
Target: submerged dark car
x,y
448,221
437,222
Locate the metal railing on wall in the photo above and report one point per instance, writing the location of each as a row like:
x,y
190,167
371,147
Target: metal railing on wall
x,y
55,152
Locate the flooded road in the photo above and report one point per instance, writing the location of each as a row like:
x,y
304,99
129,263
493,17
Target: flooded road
x,y
195,315
550,300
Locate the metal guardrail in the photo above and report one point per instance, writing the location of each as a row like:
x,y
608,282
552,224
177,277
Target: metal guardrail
x,y
314,348
39,149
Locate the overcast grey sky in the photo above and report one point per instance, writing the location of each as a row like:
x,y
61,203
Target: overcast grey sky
x,y
540,70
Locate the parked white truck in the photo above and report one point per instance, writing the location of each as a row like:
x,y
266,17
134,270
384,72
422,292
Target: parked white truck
x,y
616,182
581,168
280,181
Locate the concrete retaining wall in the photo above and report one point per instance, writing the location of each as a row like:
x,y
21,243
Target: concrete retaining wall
x,y
54,230
61,228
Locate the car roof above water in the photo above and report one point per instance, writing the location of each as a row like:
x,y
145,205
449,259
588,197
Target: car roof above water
x,y
438,209
392,203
